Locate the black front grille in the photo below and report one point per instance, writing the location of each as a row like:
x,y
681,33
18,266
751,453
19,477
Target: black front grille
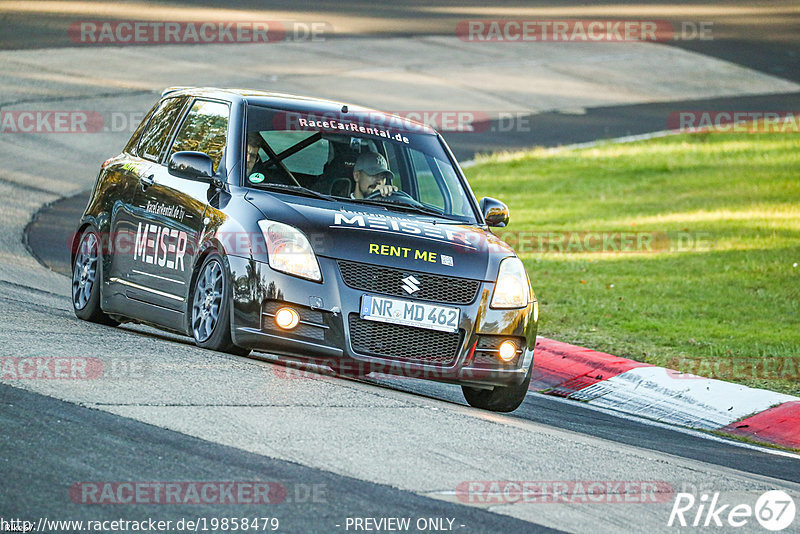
x,y
389,281
398,342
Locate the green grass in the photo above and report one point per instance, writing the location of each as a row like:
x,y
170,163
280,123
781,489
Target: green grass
x,y
717,276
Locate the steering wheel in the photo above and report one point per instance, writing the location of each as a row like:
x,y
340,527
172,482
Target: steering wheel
x,y
398,193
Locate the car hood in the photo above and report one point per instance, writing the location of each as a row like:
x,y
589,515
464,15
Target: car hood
x,y
372,234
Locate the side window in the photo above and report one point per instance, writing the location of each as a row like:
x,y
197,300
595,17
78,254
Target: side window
x,y
156,136
130,148
205,129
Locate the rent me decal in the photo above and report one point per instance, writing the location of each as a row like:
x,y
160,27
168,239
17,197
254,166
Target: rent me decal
x,y
407,252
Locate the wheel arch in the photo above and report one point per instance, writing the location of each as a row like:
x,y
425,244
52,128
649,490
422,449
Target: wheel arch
x,y
75,241
96,223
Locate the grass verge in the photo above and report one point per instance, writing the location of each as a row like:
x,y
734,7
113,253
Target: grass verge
x,y
681,251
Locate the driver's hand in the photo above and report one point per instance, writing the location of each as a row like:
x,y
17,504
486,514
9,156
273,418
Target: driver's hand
x,y
384,189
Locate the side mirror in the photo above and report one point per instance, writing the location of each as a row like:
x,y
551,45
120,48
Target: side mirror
x,y
192,166
494,212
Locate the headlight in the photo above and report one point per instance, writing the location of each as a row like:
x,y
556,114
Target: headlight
x,y
512,289
289,250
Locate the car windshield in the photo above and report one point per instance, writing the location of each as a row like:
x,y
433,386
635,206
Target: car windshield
x,y
349,159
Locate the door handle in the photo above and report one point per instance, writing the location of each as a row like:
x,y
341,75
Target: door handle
x,y
147,181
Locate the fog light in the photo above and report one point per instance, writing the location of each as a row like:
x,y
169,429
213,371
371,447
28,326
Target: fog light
x,y
507,351
287,318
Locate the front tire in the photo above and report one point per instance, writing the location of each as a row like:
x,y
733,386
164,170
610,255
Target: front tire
x,y
210,308
87,279
500,398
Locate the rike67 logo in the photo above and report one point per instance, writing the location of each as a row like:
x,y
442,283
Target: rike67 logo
x,y
774,510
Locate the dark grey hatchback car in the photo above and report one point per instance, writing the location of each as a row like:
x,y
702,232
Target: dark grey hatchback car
x,y
308,228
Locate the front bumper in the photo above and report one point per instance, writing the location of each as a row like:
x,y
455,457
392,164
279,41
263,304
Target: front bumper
x,y
331,332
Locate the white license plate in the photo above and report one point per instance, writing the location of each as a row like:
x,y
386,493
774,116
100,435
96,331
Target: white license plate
x,y
409,313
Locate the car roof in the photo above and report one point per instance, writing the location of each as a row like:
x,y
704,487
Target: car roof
x,y
300,104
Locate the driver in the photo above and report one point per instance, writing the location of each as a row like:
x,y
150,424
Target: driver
x,y
371,174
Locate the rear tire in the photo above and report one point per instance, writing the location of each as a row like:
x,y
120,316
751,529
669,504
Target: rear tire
x,y
87,279
209,308
500,398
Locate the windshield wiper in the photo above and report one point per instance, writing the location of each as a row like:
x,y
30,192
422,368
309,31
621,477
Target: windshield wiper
x,y
405,207
294,190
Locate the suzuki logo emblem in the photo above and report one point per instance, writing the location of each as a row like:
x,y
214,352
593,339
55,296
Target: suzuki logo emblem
x,y
410,284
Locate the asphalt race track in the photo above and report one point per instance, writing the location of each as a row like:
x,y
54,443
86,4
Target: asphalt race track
x,y
147,452
166,411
